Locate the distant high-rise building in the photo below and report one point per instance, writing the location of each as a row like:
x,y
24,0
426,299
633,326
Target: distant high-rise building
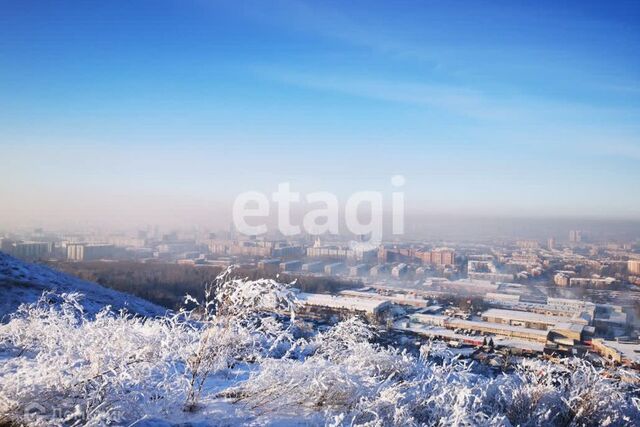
x,y
528,244
89,252
26,250
575,236
633,265
551,243
437,257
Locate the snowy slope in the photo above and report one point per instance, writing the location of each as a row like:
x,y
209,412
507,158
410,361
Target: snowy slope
x,y
21,282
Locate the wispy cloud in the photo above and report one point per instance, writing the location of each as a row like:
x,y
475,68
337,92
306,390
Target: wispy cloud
x,y
458,59
457,100
333,23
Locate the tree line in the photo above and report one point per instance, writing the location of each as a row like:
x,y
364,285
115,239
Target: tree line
x,y
166,284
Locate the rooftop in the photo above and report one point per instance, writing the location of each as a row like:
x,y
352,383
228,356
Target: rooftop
x,y
525,316
368,305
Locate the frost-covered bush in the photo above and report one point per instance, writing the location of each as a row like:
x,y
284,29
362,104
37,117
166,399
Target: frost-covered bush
x,y
237,323
64,367
290,386
87,371
352,381
240,356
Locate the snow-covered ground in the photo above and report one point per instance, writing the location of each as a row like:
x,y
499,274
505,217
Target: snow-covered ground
x,y
22,282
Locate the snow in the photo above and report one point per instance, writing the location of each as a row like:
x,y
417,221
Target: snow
x,y
524,316
231,361
442,332
21,282
628,351
535,334
368,305
399,299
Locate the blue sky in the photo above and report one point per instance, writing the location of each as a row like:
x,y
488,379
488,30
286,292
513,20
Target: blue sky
x,y
119,108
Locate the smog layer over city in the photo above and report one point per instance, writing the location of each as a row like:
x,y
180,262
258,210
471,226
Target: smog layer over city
x,y
295,212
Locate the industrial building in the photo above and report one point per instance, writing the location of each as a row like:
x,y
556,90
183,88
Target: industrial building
x,y
481,327
528,319
405,299
324,305
549,306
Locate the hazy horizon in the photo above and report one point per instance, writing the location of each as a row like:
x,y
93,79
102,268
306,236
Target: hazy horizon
x,y
457,228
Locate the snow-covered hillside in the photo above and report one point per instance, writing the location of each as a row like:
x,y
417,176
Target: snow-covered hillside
x,y
21,282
